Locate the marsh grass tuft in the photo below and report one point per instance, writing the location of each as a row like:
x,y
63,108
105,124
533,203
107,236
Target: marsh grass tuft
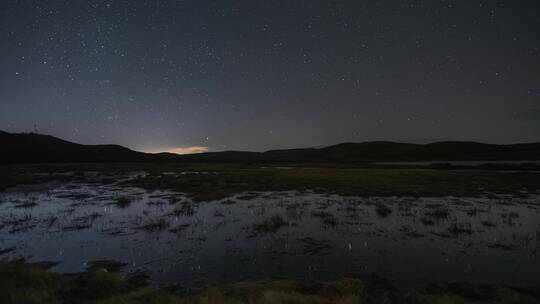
x,y
271,224
123,201
382,210
6,250
488,223
156,225
186,209
460,228
26,204
328,219
438,213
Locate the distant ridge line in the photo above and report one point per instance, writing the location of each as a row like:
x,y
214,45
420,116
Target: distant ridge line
x,y
40,148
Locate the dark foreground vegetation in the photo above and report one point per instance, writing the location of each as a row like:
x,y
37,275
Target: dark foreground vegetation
x,y
357,182
102,283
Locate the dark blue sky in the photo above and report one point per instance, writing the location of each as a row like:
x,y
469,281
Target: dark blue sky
x,y
257,75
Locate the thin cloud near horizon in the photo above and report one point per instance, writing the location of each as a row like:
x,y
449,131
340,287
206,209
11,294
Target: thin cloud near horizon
x,y
181,150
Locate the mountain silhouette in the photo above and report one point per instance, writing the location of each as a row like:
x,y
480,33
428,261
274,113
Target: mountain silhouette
x,y
39,148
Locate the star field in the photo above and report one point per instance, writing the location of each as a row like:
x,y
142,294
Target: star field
x,y
258,75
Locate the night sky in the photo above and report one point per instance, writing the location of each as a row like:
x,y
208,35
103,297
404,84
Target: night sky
x,y
258,75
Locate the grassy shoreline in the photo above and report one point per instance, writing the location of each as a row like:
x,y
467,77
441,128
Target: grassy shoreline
x,y
217,181
22,282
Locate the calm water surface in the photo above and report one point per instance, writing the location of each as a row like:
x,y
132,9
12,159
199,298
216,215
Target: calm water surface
x,y
301,235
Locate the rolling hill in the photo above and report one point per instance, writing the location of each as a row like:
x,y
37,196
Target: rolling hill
x,y
38,148
381,151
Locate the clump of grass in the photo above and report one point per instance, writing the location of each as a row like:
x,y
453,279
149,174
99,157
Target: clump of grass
x,y
155,203
330,220
457,229
83,222
427,222
76,226
321,214
156,225
382,210
513,215
271,224
51,220
472,212
20,223
186,209
509,218
327,218
218,213
26,204
488,223
173,200
6,250
180,228
438,213
123,201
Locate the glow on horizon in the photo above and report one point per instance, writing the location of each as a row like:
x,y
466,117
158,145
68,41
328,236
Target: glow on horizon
x,y
179,150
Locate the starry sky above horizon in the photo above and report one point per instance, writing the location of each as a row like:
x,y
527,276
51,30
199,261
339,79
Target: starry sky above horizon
x,y
257,75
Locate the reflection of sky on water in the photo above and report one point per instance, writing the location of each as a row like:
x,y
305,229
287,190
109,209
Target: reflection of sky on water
x,y
420,241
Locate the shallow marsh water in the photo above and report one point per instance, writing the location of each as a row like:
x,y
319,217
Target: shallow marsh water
x,y
300,235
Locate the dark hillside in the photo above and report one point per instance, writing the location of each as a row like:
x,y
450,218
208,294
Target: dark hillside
x,y
38,148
